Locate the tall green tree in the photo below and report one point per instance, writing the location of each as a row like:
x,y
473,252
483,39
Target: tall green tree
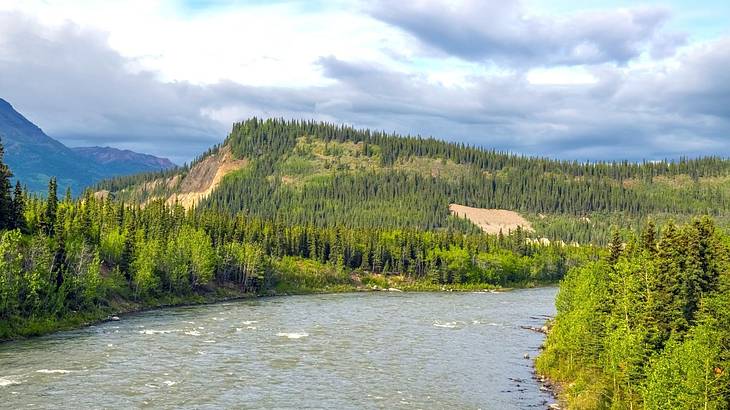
x,y
49,217
19,207
7,214
615,247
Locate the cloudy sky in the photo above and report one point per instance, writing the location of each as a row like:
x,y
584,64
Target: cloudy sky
x,y
583,79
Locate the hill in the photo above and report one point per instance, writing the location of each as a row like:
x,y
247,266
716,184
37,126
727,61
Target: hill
x,y
35,157
326,175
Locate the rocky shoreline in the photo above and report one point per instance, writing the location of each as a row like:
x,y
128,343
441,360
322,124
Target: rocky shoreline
x,y
546,385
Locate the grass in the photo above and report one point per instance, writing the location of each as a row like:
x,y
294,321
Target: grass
x,y
313,160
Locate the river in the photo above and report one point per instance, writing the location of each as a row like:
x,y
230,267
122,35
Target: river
x,y
357,350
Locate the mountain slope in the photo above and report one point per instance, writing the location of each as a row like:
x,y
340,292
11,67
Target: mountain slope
x,y
123,161
327,175
34,157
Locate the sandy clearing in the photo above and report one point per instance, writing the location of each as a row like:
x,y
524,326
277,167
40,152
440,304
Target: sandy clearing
x,y
492,220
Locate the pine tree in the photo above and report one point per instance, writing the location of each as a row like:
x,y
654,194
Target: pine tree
x,y
648,237
49,220
6,201
615,247
127,256
60,264
690,287
670,308
18,207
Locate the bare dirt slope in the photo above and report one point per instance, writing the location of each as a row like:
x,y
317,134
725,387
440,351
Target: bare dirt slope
x,y
204,177
491,220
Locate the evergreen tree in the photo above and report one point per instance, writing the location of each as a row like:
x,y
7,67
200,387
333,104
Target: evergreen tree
x,y
18,207
615,247
60,263
648,237
6,200
49,219
659,337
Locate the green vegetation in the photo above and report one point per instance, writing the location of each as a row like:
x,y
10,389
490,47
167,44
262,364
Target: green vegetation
x,y
644,323
648,325
308,173
66,261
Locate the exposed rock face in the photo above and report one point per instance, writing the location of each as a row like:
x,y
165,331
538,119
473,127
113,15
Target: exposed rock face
x,y
205,177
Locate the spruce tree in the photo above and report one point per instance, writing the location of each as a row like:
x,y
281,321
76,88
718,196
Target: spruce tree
x,y
615,247
670,307
60,265
690,288
18,207
648,237
51,206
6,201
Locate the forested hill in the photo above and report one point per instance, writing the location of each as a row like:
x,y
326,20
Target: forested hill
x,y
325,174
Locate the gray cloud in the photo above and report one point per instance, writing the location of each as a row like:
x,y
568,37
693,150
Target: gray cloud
x,y
503,32
635,116
73,85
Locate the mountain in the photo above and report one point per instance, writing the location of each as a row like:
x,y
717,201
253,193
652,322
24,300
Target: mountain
x,y
123,161
309,173
34,157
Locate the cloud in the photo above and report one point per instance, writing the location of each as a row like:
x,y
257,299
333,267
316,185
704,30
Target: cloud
x,y
79,90
634,114
503,31
71,82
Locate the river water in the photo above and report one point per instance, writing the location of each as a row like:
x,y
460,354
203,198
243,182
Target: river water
x,y
357,350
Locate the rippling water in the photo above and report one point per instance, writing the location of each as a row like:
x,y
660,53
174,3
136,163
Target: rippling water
x,y
369,350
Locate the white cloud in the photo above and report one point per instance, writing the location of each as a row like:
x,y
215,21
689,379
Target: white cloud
x,y
142,74
561,76
265,45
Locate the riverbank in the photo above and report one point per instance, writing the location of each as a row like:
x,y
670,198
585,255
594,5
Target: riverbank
x,y
120,303
365,349
547,383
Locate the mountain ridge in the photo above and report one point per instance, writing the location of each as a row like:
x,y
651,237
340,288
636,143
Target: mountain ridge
x,y
111,155
305,172
35,157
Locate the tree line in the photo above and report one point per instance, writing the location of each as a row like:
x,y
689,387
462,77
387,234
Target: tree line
x,y
66,256
647,325
393,195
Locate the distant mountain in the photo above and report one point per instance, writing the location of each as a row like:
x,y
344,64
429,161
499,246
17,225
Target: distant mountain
x,y
126,161
34,157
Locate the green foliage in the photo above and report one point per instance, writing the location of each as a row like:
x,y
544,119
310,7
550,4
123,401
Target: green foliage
x,y
98,252
11,203
11,260
311,173
297,275
112,245
650,325
144,266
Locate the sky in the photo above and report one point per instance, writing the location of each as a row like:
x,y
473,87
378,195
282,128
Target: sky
x,y
583,80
